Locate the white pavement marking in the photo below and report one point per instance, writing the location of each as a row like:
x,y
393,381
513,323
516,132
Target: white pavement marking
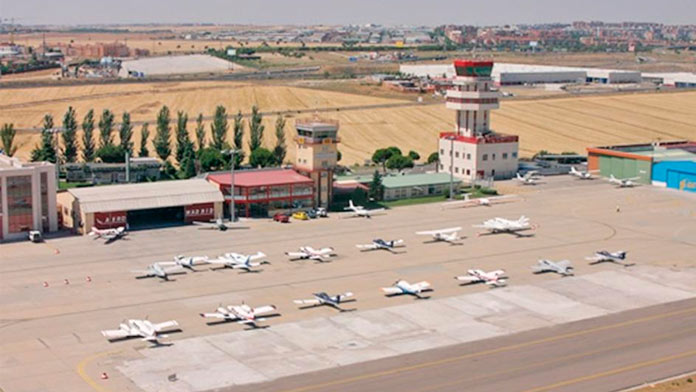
x,y
244,357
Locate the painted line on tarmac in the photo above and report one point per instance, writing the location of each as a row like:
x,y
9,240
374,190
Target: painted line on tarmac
x,y
80,368
492,351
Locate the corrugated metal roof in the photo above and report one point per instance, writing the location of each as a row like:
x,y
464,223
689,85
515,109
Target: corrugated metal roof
x,y
423,179
146,195
267,177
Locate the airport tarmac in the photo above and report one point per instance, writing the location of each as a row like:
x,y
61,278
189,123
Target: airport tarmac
x,y
50,335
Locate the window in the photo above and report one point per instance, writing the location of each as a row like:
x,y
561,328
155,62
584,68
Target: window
x,y
505,155
456,170
484,157
468,172
442,167
442,151
468,156
493,172
493,157
456,154
514,154
19,204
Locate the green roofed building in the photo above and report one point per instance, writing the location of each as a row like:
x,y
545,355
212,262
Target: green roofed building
x,y
403,186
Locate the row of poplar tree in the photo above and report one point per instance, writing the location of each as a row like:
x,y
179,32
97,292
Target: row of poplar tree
x,y
191,157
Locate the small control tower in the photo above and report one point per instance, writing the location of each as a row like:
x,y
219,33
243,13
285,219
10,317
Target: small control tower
x,y
317,153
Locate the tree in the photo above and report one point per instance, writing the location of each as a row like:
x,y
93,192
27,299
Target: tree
x,y
162,140
219,128
69,135
7,135
376,190
187,166
111,153
144,136
399,162
211,159
255,129
382,155
434,157
106,127
280,149
88,147
183,141
46,151
238,129
261,157
200,132
125,133
414,155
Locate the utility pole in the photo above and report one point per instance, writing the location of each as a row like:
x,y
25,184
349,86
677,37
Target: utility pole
x,y
127,167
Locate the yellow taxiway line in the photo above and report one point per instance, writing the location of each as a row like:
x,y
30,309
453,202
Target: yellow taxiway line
x,y
80,368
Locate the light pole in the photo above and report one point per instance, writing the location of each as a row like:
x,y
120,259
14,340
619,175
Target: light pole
x,y
451,184
231,153
55,131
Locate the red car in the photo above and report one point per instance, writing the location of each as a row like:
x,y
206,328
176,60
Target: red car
x,y
282,218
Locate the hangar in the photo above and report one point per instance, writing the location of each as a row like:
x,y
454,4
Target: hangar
x,y
666,164
142,205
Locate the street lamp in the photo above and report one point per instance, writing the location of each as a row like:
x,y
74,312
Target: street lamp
x,y
231,153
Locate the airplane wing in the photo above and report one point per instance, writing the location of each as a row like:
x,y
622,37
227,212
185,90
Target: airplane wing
x,y
367,246
313,301
258,255
219,261
441,231
632,178
264,309
203,224
564,263
213,315
497,283
165,325
467,279
296,255
115,334
347,294
391,290
421,285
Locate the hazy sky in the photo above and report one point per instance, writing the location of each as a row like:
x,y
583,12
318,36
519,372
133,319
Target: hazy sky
x,y
425,12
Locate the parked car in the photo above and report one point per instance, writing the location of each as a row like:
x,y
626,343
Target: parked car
x,y
312,213
282,218
300,215
321,212
35,236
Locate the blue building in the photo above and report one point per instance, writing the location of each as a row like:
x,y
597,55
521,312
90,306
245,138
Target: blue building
x,y
675,174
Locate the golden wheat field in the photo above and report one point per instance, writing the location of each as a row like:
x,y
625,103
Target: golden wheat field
x,y
555,124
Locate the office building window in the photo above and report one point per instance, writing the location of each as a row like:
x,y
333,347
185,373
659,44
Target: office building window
x,y
505,155
456,154
468,172
514,155
442,151
468,156
456,170
493,157
484,157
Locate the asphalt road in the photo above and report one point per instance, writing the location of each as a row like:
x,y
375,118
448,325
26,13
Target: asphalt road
x,y
602,354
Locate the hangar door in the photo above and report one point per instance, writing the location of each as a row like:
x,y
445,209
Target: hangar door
x,y
155,217
681,180
625,168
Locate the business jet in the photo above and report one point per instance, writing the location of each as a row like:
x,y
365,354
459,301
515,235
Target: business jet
x,y
603,256
450,235
493,278
528,178
502,225
144,329
624,182
583,175
240,261
309,253
110,235
380,244
401,287
563,267
360,211
162,270
242,314
323,298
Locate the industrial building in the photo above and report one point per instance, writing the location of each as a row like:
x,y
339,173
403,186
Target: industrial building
x,y
142,205
27,198
404,186
473,151
672,79
666,164
264,192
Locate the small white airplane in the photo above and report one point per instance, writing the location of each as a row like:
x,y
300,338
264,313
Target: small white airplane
x,y
145,329
493,278
502,225
563,267
529,178
217,224
309,253
360,211
380,244
401,287
110,235
323,298
450,235
583,175
604,256
482,201
162,270
189,262
242,314
624,182
240,261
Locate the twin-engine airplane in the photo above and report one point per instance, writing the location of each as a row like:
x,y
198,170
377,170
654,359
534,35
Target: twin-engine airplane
x,y
563,267
323,298
309,253
242,314
240,261
401,287
603,256
493,278
162,270
450,235
502,225
624,182
360,211
145,329
380,244
110,235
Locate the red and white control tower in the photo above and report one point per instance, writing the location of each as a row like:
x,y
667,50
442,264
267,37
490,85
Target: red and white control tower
x,y
473,150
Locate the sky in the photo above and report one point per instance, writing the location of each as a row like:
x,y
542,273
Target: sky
x,y
389,12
